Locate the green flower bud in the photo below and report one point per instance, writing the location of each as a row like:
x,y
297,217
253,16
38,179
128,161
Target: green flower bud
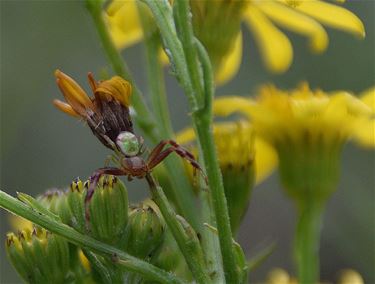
x,y
76,204
170,258
217,24
39,256
56,201
235,146
109,210
145,231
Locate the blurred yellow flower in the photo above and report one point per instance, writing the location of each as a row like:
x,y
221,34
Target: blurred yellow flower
x,y
280,276
302,115
218,25
238,150
307,129
244,159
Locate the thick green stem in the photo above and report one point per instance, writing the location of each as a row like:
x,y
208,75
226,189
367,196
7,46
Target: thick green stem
x,y
143,115
306,246
190,249
202,120
186,36
203,123
210,240
182,191
164,19
129,262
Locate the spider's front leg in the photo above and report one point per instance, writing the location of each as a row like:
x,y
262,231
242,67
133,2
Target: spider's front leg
x,y
158,155
94,179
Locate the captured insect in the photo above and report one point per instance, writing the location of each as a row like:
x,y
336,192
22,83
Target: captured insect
x,y
107,115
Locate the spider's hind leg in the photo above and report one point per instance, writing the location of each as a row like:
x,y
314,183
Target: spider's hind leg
x,y
158,155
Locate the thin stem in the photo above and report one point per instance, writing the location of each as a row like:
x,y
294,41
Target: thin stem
x,y
182,191
190,249
306,246
130,263
143,115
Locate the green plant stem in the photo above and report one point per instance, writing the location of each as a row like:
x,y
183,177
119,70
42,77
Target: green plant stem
x,y
306,246
202,121
143,115
193,258
182,191
210,240
164,20
186,36
129,262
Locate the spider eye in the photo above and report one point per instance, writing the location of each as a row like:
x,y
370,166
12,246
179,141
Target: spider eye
x,y
128,143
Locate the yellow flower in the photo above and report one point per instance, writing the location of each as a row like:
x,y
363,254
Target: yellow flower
x,y
236,146
243,159
280,276
217,25
303,115
307,129
350,276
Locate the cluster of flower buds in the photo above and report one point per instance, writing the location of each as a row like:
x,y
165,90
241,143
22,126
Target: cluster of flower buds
x,y
39,256
42,257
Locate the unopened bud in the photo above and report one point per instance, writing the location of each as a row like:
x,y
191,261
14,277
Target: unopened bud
x,y
235,146
56,201
145,231
109,210
75,201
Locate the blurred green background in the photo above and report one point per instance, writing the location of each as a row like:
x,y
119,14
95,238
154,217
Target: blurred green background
x,y
43,148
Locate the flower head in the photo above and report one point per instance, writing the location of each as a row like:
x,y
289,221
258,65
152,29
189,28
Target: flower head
x,y
217,26
308,129
107,113
244,160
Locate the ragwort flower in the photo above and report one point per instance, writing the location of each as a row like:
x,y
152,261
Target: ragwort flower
x,y
243,158
107,113
308,129
217,24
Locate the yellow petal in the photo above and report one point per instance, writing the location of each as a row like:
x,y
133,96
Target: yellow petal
x,y
231,63
19,223
265,155
163,57
224,106
124,23
275,47
334,16
185,136
64,107
297,22
116,87
265,159
364,133
368,97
